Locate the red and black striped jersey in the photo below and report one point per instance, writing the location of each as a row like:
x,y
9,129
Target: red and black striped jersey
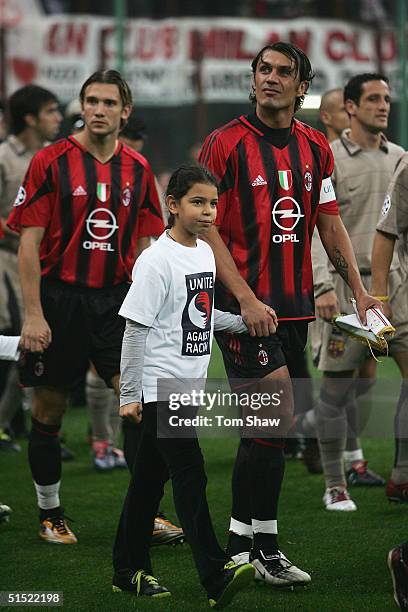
x,y
93,212
269,201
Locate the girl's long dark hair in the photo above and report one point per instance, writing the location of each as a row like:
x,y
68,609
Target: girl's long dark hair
x,y
184,178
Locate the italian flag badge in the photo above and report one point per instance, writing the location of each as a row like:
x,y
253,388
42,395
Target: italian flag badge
x,y
285,179
103,192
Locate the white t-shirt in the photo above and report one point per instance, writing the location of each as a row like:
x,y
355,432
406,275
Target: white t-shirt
x,y
172,294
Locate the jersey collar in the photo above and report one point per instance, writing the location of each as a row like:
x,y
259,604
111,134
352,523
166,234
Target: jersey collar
x,y
353,148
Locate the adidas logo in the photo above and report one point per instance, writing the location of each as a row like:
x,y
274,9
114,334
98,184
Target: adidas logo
x,y
259,181
79,191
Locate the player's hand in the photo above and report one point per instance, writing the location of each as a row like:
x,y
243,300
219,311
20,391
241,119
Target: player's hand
x,y
327,305
36,334
260,318
132,411
364,302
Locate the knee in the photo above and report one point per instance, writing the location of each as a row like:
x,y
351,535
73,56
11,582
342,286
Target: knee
x,y
188,461
49,406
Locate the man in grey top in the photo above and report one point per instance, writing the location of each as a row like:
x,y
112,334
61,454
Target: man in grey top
x,y
335,119
34,120
364,163
392,226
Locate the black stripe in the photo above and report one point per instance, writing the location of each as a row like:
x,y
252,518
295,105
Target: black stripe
x,y
248,213
66,218
111,258
147,204
46,187
302,227
134,208
227,181
205,155
84,256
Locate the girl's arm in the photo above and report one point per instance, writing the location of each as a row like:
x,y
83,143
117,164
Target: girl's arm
x,y
131,369
226,321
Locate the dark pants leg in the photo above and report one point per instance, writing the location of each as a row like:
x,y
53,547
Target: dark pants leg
x,y
132,434
155,459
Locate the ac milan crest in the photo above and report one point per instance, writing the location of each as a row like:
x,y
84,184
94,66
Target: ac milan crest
x,y
263,357
126,196
307,180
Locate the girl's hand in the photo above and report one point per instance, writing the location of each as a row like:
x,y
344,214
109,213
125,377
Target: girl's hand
x,y
132,411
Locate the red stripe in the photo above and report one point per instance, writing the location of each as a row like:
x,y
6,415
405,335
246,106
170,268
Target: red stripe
x,y
267,443
46,433
296,318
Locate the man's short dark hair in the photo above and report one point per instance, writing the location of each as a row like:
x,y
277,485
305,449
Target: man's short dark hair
x,y
301,62
28,100
110,77
354,87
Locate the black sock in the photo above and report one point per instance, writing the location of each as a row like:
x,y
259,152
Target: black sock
x,y
237,544
50,513
267,542
241,499
267,466
44,453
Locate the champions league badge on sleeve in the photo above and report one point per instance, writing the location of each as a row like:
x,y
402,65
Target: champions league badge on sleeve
x,y
196,319
386,205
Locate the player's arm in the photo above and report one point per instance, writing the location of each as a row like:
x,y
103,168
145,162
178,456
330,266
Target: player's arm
x,y
260,318
3,220
338,247
35,334
382,254
381,258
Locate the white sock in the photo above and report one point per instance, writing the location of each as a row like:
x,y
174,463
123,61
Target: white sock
x,y
351,456
48,495
242,529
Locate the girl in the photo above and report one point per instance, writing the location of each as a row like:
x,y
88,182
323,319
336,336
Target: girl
x,y
169,325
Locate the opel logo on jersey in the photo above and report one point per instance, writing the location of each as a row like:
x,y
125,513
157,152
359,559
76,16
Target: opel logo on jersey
x,y
101,224
286,213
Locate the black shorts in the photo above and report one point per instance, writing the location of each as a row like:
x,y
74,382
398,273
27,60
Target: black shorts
x,y
252,357
85,327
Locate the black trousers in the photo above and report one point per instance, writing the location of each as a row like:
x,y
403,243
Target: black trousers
x,y
155,461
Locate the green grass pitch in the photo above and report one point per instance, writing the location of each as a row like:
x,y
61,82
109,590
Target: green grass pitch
x,y
345,554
